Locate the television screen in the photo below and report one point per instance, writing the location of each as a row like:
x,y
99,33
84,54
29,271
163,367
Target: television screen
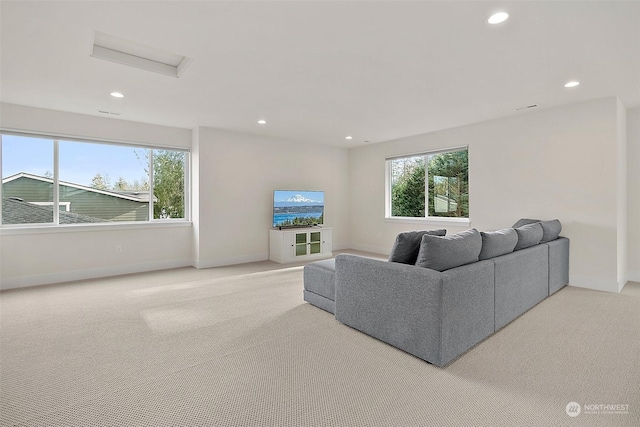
x,y
297,208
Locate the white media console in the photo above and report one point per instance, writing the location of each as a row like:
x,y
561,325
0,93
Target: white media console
x,y
299,244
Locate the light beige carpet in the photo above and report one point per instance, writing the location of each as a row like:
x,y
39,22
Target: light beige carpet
x,y
238,346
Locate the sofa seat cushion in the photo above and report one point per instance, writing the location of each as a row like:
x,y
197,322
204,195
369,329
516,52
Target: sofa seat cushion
x,y
320,284
441,253
407,245
528,235
320,278
496,243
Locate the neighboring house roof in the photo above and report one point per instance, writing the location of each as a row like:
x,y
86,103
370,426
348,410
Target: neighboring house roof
x,y
141,197
16,211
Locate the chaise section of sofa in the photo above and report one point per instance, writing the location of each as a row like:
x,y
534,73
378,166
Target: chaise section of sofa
x,y
461,289
320,284
433,315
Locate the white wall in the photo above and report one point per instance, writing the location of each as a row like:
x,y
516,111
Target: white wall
x,y
60,123
29,259
622,195
233,178
557,163
236,179
633,187
32,258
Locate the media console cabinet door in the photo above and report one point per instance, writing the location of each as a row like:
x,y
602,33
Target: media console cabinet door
x,y
301,244
315,242
297,245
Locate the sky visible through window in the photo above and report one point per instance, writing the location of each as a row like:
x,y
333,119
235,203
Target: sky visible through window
x,y
79,161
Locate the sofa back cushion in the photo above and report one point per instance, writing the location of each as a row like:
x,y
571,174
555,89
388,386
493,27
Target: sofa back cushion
x,y
528,235
405,248
524,221
444,252
496,243
550,229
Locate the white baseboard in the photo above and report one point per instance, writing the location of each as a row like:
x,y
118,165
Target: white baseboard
x,y
244,259
221,262
367,248
117,270
633,276
70,276
594,283
340,247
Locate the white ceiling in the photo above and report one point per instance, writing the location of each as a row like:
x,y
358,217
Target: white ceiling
x,y
319,71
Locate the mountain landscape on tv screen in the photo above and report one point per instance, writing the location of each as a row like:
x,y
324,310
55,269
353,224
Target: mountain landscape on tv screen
x,y
298,208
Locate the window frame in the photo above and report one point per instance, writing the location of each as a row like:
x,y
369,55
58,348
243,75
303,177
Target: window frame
x,y
434,220
55,226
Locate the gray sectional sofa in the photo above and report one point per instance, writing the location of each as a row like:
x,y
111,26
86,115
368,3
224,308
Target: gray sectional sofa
x,y
439,295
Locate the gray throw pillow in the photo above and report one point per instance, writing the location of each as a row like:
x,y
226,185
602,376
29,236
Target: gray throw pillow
x,y
443,253
496,243
550,230
528,235
524,221
405,248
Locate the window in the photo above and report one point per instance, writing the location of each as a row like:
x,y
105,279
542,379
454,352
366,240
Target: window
x,y
429,185
90,182
25,156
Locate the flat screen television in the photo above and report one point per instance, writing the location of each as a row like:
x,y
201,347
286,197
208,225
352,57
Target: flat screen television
x,y
298,208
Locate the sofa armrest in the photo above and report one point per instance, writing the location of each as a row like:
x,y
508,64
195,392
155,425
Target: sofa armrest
x,y
415,309
469,307
397,303
558,264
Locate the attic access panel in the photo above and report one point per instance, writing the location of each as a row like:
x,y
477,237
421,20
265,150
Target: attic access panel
x,y
121,51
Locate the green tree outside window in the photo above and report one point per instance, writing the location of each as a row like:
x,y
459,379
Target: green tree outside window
x,y
437,184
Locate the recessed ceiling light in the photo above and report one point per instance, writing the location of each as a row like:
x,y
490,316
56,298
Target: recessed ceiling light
x,y
117,95
497,18
262,122
573,83
348,137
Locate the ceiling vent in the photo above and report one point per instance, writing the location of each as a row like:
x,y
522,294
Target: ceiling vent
x,y
527,107
124,52
113,113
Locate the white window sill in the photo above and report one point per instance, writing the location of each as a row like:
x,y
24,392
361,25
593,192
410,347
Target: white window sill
x,y
461,222
8,230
